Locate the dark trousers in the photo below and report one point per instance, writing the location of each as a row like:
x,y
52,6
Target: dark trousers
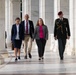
x,y
41,46
61,43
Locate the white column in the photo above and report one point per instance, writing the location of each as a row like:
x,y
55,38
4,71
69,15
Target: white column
x,y
26,8
8,19
34,11
56,8
72,18
42,9
16,9
72,29
2,24
2,29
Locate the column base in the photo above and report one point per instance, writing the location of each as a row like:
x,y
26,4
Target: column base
x,y
1,60
4,53
73,52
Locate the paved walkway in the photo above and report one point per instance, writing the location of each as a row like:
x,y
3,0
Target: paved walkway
x,y
51,65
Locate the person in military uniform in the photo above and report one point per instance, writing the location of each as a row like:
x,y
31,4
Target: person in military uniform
x,y
61,32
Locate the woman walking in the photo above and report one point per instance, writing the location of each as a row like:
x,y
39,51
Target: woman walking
x,y
41,36
16,38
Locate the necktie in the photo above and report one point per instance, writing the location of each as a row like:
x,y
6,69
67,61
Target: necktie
x,y
27,27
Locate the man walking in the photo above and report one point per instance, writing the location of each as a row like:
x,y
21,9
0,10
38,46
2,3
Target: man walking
x,y
61,32
28,32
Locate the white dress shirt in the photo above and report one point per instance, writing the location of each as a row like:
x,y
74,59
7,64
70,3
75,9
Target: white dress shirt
x,y
17,36
61,19
28,27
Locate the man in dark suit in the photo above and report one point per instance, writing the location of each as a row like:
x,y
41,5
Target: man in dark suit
x,y
28,32
61,32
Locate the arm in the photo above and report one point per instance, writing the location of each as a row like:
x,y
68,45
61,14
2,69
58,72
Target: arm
x,y
12,32
46,32
32,30
35,32
55,31
32,27
22,29
68,28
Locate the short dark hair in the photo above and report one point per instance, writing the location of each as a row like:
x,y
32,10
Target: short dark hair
x,y
60,12
17,18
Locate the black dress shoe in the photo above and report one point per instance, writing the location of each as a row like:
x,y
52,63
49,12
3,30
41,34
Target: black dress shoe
x,y
42,57
30,56
15,59
25,57
61,58
19,57
39,59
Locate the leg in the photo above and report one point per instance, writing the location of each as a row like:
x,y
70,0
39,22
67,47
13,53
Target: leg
x,y
15,48
60,48
25,46
19,54
43,43
15,52
64,44
38,42
30,45
19,42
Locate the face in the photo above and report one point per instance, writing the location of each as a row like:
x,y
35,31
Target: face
x,y
17,21
40,22
61,16
26,17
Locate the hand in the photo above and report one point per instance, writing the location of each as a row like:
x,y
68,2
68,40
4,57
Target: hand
x,y
32,39
68,37
55,37
11,41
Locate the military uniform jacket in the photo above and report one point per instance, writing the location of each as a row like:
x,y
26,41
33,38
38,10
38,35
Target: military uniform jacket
x,y
61,29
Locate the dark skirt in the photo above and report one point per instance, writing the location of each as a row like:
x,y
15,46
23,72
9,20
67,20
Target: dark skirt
x,y
17,43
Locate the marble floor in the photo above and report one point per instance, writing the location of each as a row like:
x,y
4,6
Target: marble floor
x,y
51,65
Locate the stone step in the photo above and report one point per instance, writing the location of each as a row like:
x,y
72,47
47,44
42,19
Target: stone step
x,y
1,60
4,53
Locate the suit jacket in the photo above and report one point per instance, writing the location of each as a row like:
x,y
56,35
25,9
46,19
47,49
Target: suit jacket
x,y
31,27
61,29
45,31
14,32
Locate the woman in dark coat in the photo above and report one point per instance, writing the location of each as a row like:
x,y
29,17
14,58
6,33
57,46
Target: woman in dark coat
x,y
16,37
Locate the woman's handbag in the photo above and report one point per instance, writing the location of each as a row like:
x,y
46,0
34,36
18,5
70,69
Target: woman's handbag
x,y
12,46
